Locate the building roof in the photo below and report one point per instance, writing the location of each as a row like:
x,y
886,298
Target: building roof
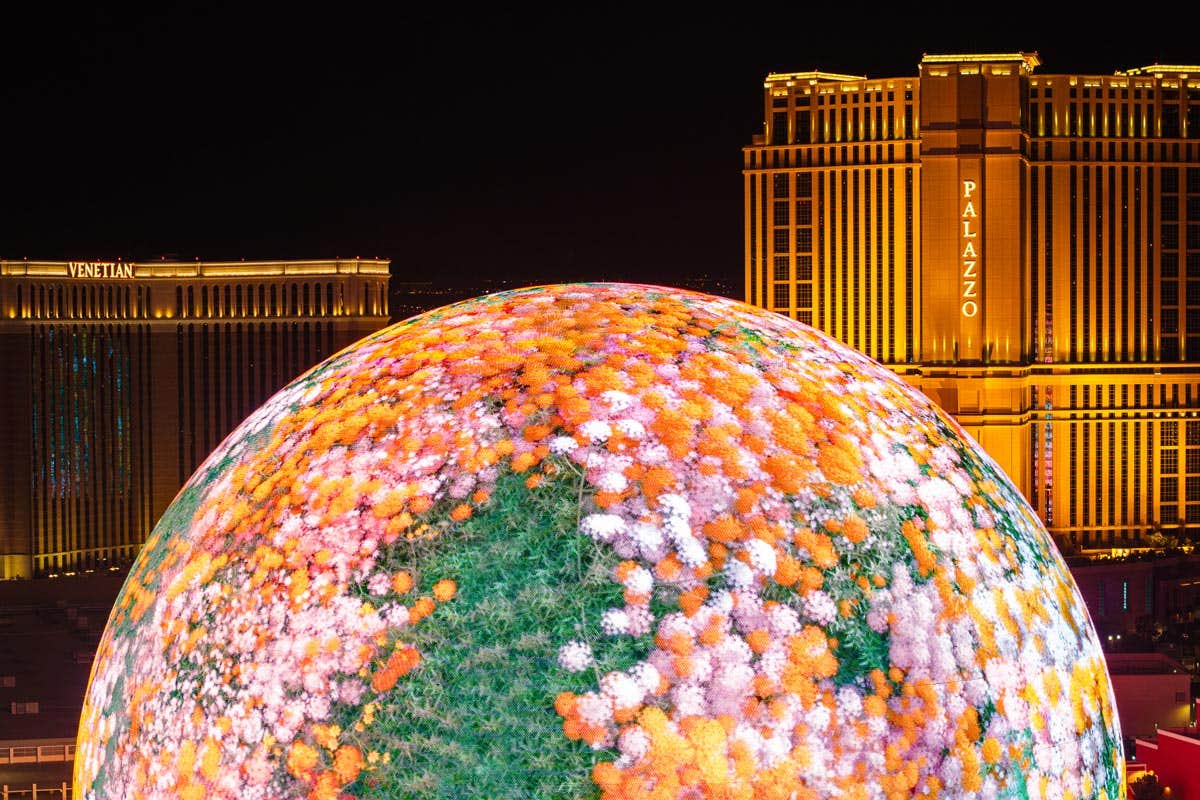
x,y
1143,664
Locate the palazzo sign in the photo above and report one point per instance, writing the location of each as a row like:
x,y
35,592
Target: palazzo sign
x,y
971,253
99,269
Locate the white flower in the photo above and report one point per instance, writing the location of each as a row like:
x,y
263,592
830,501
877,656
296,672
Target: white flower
x,y
595,709
738,574
692,553
623,690
633,742
649,540
617,400
677,529
602,527
630,428
646,675
596,430
820,607
639,580
762,557
783,621
563,444
614,621
575,656
674,505
611,482
688,699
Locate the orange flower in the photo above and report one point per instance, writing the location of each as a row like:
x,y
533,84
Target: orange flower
x,y
444,589
759,640
523,461
402,583
461,512
421,609
607,776
301,760
840,461
785,472
606,499
855,529
691,600
347,763
725,529
656,481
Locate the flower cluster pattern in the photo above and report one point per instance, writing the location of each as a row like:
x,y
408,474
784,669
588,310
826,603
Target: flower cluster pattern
x,y
839,593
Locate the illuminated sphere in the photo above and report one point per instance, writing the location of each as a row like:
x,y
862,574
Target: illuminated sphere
x,y
599,541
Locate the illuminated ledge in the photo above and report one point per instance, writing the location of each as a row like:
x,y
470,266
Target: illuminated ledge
x,y
815,75
1158,69
191,269
1030,60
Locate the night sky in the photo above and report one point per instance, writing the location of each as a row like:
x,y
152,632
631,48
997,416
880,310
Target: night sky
x,y
530,146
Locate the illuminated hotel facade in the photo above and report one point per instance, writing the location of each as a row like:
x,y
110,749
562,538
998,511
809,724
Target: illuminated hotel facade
x,y
1022,247
120,378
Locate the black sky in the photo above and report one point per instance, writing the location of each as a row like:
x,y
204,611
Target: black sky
x,y
535,144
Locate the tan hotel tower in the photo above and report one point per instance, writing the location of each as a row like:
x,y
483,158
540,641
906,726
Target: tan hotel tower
x,y
120,378
1023,247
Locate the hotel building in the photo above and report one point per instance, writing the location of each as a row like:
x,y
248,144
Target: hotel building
x,y
1024,247
120,378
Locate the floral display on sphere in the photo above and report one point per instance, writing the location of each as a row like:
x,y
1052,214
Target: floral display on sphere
x,y
599,540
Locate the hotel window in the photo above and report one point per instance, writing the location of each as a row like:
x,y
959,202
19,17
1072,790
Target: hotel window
x,y
1168,433
779,185
1169,265
779,128
804,212
1170,208
1170,120
781,240
781,212
804,295
1168,490
804,240
781,296
804,270
802,133
1170,236
1170,294
781,268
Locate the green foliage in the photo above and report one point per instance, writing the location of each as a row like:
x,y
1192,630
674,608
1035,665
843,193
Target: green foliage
x,y
476,718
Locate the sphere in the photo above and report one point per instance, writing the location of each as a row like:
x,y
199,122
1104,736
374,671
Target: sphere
x,y
599,540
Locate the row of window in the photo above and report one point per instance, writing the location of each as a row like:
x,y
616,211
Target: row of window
x,y
226,371
1110,481
1113,120
803,97
842,125
59,301
92,458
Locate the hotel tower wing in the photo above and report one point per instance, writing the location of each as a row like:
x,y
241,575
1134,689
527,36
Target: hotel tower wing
x,y
1022,246
120,378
